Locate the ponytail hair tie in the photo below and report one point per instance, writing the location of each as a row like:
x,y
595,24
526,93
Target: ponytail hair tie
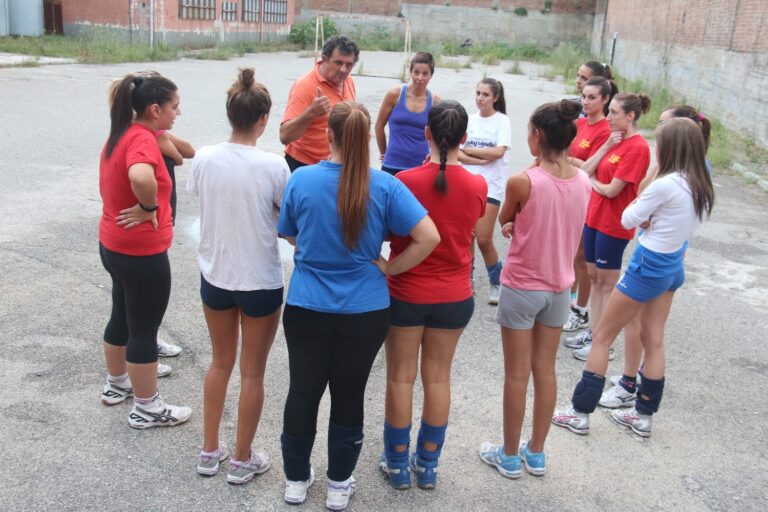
x,y
604,64
700,117
137,81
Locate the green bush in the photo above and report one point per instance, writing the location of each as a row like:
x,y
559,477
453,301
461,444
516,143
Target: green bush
x,y
521,11
303,34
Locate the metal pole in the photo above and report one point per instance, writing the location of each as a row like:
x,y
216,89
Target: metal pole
x,y
613,46
151,24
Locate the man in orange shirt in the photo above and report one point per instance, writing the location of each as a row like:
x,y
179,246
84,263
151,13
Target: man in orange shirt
x,y
303,129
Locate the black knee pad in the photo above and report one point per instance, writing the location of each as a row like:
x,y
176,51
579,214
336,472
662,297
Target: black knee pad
x,y
653,389
587,392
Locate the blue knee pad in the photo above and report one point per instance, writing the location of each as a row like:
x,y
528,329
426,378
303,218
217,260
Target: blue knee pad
x,y
396,437
344,445
587,392
430,434
296,453
653,389
494,273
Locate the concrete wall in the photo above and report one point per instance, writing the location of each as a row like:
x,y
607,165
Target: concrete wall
x,y
482,21
394,8
712,52
4,18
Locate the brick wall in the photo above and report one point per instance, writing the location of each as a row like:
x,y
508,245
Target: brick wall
x,y
712,52
83,15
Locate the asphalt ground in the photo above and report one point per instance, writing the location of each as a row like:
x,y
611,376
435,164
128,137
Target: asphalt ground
x,y
62,449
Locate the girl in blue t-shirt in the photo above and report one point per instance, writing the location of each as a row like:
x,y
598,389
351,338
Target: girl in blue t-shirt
x,y
338,213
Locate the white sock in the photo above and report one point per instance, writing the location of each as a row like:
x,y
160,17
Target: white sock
x,y
150,403
582,310
124,381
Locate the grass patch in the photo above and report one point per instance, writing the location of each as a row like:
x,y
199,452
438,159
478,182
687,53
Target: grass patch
x,y
98,47
23,64
566,58
452,63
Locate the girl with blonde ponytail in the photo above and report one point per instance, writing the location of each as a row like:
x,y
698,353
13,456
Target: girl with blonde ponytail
x,y
338,213
241,276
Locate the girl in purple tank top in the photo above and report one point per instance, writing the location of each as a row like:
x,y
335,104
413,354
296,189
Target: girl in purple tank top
x,y
405,109
543,211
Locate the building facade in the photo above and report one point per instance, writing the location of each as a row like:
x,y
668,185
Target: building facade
x,y
180,21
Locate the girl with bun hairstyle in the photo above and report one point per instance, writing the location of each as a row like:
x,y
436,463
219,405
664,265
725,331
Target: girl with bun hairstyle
x,y
591,132
406,110
336,318
669,210
488,139
432,303
616,170
135,233
543,213
241,277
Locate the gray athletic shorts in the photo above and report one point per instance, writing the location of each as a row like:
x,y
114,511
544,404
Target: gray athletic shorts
x,y
519,309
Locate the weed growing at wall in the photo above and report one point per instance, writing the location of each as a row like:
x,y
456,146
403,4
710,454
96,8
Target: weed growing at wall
x,y
97,48
303,34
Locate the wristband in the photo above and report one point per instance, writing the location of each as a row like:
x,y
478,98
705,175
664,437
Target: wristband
x,y
148,209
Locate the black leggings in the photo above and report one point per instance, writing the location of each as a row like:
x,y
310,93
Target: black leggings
x,y
327,349
141,286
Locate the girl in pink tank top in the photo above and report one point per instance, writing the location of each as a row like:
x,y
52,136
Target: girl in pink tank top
x,y
543,212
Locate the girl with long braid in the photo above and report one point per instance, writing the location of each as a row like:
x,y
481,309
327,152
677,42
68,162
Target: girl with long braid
x,y
432,303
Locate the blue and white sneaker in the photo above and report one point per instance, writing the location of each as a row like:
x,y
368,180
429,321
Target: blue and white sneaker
x,y
425,470
399,475
535,463
507,465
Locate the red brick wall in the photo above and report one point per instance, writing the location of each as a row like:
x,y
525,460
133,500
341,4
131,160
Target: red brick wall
x,y
725,24
115,13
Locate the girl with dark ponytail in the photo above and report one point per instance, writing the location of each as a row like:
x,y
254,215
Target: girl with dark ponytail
x,y
543,213
484,153
241,277
592,131
432,303
135,233
338,213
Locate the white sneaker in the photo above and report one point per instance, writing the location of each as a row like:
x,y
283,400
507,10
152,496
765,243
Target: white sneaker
x,y
112,394
583,353
166,349
575,421
576,320
639,423
617,397
339,493
157,414
163,370
296,491
494,293
579,340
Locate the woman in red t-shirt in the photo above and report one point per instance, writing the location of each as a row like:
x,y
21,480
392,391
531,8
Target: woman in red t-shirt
x,y
591,132
432,303
616,170
134,235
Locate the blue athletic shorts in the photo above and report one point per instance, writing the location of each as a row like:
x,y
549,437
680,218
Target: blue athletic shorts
x,y
651,274
444,315
603,250
254,303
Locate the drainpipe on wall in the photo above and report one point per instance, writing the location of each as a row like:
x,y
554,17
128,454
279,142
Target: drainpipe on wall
x,y
151,24
261,22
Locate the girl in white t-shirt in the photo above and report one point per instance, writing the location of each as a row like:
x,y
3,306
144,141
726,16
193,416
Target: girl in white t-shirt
x,y
488,139
241,283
